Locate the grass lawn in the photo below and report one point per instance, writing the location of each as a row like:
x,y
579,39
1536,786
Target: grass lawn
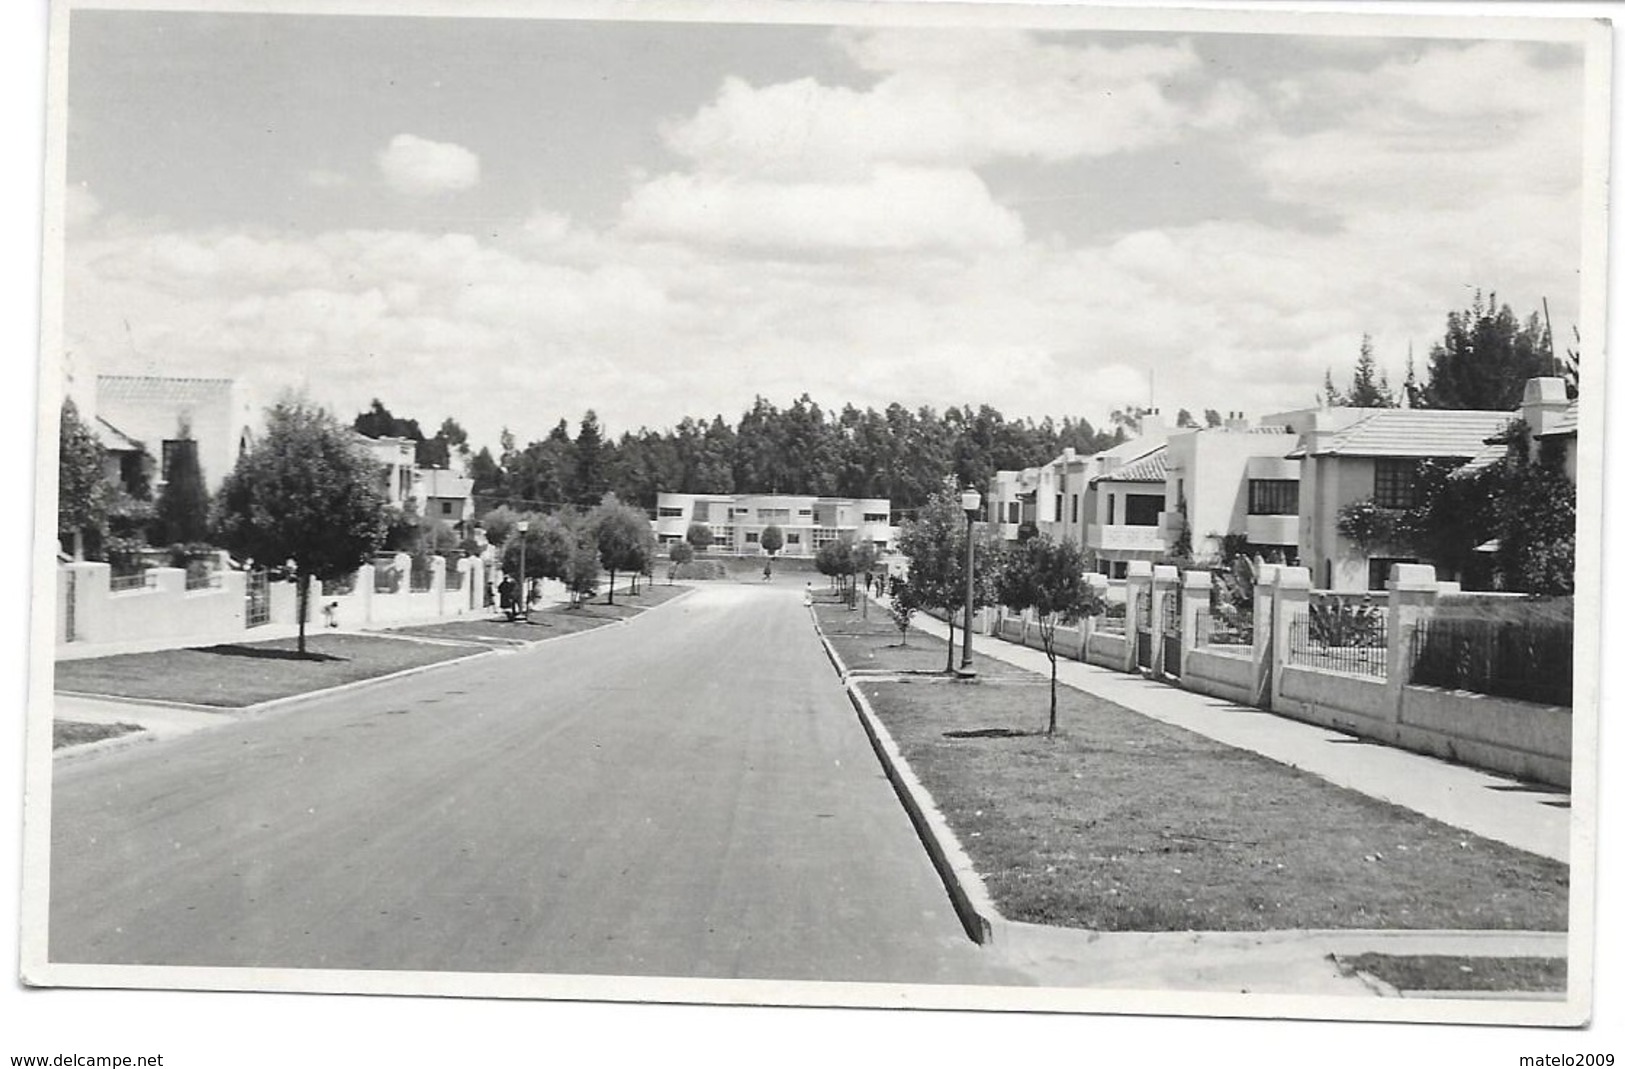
x,y
73,733
497,629
1123,823
1442,972
875,644
235,675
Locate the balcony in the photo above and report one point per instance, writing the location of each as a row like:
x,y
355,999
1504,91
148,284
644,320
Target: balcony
x,y
1108,537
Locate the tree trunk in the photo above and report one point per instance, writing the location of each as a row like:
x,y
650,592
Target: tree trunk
x,y
612,586
1048,636
303,586
950,643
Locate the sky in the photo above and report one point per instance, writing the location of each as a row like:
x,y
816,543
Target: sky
x,y
510,221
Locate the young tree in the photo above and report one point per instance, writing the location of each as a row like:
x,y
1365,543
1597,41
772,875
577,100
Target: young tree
x,y
934,543
581,577
772,539
183,503
681,554
620,533
548,547
700,537
902,608
82,490
305,494
1048,577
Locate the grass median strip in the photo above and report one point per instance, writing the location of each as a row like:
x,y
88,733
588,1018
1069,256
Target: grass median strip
x,y
1123,823
1445,972
235,675
497,629
76,733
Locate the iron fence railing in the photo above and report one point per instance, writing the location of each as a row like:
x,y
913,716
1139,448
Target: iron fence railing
x,y
1529,660
1360,650
454,578
421,579
203,578
140,580
1114,621
1224,632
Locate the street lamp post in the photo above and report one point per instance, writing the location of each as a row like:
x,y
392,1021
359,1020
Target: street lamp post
x,y
971,502
524,583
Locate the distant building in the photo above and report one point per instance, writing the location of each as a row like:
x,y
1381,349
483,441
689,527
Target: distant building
x,y
131,413
398,457
807,522
444,496
1233,480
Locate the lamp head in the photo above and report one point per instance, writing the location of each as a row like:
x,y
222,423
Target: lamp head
x,y
970,501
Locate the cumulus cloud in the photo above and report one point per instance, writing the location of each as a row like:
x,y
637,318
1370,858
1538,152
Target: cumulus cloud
x,y
953,98
896,209
419,167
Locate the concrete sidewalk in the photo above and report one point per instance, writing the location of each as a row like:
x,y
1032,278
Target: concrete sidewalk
x,y
1528,816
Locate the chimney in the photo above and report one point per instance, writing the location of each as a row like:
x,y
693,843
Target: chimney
x,y
1544,400
1237,422
1152,425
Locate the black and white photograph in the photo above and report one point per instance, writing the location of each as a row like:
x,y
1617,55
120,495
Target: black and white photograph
x,y
730,517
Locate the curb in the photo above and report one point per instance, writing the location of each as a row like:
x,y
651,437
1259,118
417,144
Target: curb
x,y
128,740
966,891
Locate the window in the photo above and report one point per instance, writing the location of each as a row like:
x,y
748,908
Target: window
x,y
1377,570
770,515
445,508
1141,510
1272,497
1074,508
876,517
804,512
793,538
752,537
1111,509
702,512
172,451
667,512
1057,508
1396,484
1015,512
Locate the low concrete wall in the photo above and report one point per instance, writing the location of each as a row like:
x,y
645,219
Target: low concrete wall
x,y
1107,650
1336,700
1521,739
1221,675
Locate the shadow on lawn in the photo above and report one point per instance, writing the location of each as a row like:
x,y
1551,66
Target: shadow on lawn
x,y
268,653
991,733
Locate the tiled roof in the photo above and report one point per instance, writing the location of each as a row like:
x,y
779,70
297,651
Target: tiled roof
x,y
1151,468
1415,432
115,439
1567,423
158,388
1487,455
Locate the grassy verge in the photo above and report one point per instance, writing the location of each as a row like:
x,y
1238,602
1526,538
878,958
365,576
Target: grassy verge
x,y
1442,972
74,733
1122,823
236,675
873,643
497,629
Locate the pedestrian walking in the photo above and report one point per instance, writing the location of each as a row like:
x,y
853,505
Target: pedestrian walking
x,y
806,596
507,596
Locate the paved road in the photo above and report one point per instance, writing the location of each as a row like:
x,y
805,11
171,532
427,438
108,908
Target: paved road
x,y
687,795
